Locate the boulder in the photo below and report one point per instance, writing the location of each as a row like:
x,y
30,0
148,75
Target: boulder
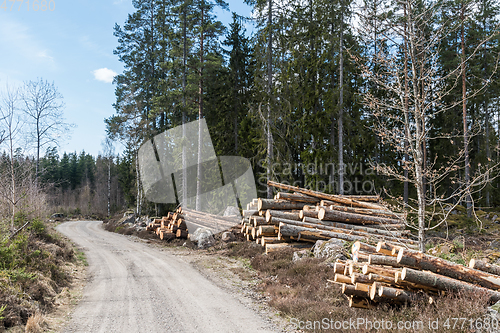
x,y
299,255
127,219
142,221
492,316
228,236
232,211
332,249
494,218
203,237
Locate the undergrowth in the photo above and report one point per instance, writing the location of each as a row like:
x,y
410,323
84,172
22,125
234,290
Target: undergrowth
x,y
31,272
301,293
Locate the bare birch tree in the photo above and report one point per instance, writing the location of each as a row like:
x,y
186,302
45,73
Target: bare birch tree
x,y
410,75
11,121
44,109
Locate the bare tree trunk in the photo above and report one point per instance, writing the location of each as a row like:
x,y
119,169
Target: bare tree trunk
x,y
13,180
407,105
184,120
269,91
110,160
468,198
200,110
332,117
419,135
139,199
236,130
341,103
488,154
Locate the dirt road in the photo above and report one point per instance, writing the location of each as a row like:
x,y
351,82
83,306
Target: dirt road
x,y
133,287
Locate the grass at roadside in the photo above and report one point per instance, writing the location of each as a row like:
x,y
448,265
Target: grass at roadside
x,y
300,292
32,273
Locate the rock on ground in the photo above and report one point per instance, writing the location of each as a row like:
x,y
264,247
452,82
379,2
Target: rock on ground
x,y
232,211
228,236
332,249
298,255
203,237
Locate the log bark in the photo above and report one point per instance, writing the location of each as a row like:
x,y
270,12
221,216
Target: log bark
x,y
297,197
338,216
381,278
327,203
360,246
355,267
290,230
342,278
386,248
207,216
248,213
363,287
445,283
251,233
447,268
268,230
326,232
278,204
289,215
397,294
331,197
338,268
258,220
365,211
166,235
269,240
367,269
371,229
181,224
374,291
181,234
383,260
484,266
359,278
350,290
308,213
406,284
361,257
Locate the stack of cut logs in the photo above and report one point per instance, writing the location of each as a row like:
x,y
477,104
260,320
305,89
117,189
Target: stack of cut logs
x,y
298,219
170,226
392,274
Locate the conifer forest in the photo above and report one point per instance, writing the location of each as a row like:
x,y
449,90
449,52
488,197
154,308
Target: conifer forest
x,y
397,98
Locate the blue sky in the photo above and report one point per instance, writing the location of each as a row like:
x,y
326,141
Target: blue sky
x,y
71,46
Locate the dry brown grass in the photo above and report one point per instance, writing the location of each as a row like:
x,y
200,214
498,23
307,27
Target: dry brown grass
x,y
300,291
35,323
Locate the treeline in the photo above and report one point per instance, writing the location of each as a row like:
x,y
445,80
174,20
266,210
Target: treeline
x,y
78,183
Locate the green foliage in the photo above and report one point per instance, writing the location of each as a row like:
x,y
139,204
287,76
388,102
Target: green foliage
x,y
80,256
38,227
2,309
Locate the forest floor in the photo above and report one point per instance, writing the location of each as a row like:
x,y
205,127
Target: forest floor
x,y
300,296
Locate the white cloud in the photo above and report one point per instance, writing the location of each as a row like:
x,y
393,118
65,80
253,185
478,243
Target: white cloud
x,y
104,75
22,42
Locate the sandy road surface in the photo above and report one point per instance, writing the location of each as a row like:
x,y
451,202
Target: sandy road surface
x,y
134,287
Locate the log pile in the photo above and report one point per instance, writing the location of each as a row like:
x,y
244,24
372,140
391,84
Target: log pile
x,y
388,273
306,216
170,227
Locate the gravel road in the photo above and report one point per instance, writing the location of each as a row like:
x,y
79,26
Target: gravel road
x,y
134,287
